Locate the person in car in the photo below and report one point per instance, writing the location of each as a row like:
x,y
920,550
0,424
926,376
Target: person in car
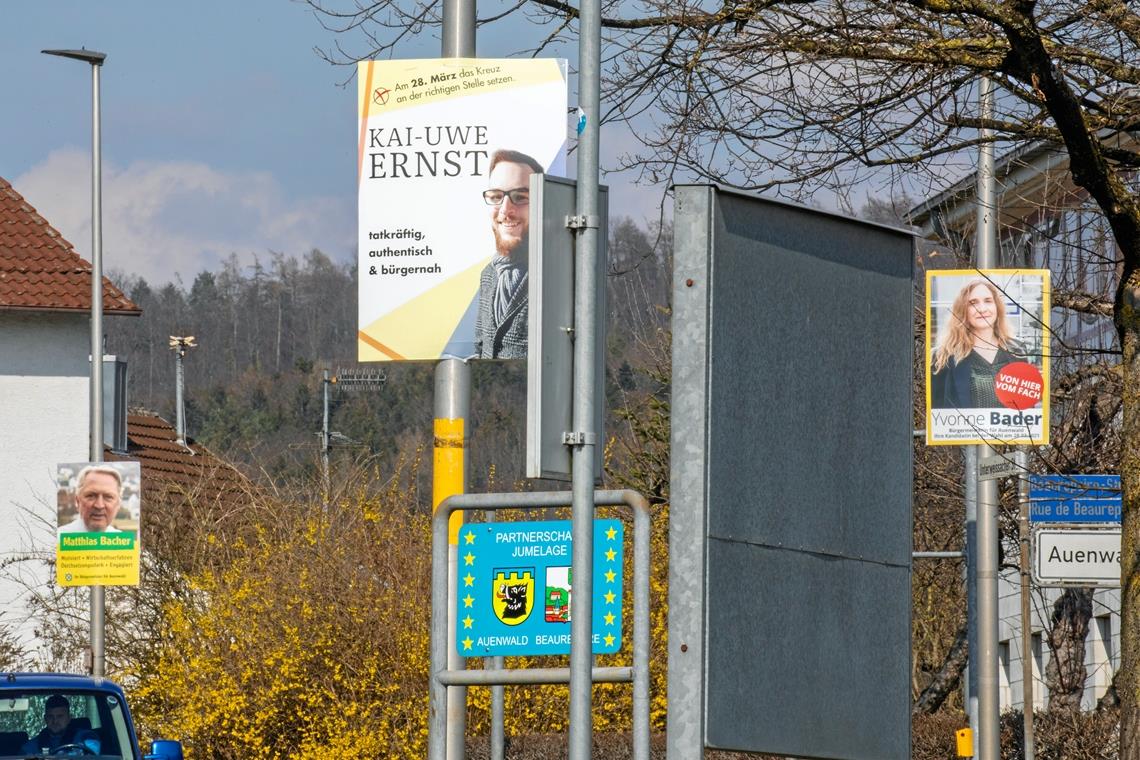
x,y
58,730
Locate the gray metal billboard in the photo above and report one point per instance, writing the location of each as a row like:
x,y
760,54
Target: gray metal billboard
x,y
790,513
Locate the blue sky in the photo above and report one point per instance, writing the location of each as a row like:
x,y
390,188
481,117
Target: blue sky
x,y
223,131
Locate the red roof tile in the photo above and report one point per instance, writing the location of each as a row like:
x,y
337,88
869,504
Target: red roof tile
x,y
39,269
173,473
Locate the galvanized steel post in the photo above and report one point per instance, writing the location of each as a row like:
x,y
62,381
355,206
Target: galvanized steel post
x,y
452,406
986,662
585,356
95,59
449,477
1027,658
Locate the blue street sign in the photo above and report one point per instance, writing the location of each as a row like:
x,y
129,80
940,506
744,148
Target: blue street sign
x,y
1074,498
514,587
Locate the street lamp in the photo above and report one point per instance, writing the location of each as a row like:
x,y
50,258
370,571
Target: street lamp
x,y
97,621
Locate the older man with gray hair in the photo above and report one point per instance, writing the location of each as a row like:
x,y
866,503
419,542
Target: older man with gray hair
x,y
98,495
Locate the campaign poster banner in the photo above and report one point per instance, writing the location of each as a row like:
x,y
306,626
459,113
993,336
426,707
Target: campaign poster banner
x,y
987,368
99,513
446,148
515,585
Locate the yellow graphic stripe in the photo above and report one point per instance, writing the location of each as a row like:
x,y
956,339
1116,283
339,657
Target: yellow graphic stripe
x,y
417,82
420,328
378,346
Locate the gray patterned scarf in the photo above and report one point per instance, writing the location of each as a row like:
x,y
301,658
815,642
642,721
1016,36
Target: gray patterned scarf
x,y
508,277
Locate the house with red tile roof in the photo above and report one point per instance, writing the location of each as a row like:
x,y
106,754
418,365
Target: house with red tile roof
x,y
45,345
178,474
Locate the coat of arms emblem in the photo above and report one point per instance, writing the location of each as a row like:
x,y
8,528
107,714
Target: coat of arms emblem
x,y
512,595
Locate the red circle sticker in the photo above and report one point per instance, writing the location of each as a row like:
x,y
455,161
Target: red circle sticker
x,y
1019,385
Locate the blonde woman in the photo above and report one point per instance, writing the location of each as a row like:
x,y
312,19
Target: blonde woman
x,y
972,348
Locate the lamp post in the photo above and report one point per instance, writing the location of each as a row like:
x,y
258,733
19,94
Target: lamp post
x,y
96,422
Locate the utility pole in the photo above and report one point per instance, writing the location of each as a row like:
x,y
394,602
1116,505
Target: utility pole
x,y
180,345
325,485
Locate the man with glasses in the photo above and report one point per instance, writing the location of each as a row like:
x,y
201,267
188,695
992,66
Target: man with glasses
x,y
501,320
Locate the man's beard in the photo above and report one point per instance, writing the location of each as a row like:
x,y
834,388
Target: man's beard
x,y
505,248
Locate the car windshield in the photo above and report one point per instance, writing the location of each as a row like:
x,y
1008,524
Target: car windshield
x,y
89,724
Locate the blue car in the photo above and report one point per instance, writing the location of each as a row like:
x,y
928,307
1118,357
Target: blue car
x,y
60,715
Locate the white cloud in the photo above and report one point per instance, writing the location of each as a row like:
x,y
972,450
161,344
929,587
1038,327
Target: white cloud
x,y
180,217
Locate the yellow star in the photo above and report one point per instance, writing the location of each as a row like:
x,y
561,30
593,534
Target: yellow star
x,y
467,642
609,639
467,621
469,580
610,554
611,534
609,618
609,597
469,558
468,600
610,575
469,536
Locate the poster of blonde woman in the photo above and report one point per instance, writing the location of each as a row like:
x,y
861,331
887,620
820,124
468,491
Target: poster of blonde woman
x,y
987,370
446,150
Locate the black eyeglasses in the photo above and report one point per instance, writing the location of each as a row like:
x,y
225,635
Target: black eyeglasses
x,y
520,196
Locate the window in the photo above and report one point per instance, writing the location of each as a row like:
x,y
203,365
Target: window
x,y
1098,658
94,719
1005,698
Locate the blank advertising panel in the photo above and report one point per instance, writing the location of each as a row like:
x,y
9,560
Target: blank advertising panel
x,y
790,533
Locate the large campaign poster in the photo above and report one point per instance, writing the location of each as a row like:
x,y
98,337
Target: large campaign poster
x,y
99,513
987,368
446,149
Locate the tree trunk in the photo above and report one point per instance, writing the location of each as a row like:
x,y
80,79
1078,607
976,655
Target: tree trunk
x,y
947,677
1128,328
1065,674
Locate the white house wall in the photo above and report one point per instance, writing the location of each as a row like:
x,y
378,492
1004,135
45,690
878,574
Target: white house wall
x,y
44,373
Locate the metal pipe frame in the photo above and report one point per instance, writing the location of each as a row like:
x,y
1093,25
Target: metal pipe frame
x,y
442,676
530,676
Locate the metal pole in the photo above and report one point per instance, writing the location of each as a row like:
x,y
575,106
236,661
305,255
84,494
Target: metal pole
x,y
971,676
179,412
498,692
1026,619
95,59
458,29
989,744
98,594
452,407
585,356
449,477
325,484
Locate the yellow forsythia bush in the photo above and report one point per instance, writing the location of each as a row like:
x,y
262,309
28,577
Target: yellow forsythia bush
x,y
309,639
310,643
